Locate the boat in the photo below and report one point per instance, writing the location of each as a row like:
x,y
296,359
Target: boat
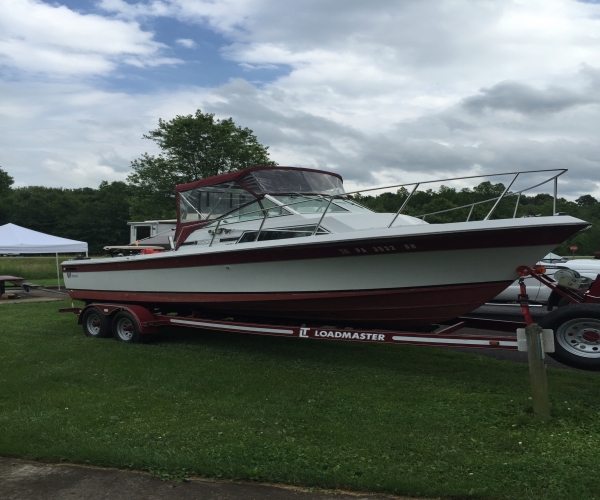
x,y
289,244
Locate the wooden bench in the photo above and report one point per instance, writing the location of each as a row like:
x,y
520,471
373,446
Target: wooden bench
x,y
15,280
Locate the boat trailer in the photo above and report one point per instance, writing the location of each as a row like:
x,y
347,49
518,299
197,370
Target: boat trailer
x,y
578,345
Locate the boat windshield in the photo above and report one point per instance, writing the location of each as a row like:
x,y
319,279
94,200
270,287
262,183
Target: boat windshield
x,y
317,204
276,181
211,202
253,211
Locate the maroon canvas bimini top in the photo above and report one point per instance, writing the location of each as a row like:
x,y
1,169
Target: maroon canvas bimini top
x,y
239,174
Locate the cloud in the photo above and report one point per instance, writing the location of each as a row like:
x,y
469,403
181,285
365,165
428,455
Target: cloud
x,y
525,99
385,91
70,134
186,42
138,9
36,37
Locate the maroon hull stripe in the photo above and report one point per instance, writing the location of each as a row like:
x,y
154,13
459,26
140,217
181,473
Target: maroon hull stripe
x,y
489,238
398,307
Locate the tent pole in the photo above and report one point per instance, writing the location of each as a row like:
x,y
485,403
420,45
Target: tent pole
x,y
57,272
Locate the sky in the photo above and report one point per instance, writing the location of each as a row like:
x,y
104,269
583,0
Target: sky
x,y
386,91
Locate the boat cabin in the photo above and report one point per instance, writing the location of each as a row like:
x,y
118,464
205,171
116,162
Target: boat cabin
x,y
252,194
252,188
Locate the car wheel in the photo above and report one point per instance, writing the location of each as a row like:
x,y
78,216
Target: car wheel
x,y
125,328
95,324
576,335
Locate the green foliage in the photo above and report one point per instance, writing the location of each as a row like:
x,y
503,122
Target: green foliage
x,y
586,201
154,184
428,202
96,216
192,147
414,421
6,181
31,268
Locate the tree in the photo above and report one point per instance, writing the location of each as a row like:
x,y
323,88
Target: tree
x,y
6,181
192,147
96,216
586,201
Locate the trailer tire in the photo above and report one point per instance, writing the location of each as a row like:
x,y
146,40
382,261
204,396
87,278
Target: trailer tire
x,y
125,328
576,335
96,324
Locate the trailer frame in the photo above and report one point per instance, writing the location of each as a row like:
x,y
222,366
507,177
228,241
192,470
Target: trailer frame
x,y
134,322
148,323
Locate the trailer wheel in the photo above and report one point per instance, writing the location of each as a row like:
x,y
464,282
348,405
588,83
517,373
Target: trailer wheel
x,y
576,335
125,328
95,324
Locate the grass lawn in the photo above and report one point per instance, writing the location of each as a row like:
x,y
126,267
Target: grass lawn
x,y
39,270
399,419
30,268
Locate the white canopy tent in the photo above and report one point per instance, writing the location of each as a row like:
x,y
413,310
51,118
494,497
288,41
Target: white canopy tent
x,y
17,240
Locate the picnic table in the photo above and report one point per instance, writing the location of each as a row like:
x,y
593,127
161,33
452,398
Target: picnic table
x,y
15,280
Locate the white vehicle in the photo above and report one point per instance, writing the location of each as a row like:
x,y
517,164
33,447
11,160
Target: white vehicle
x,y
587,268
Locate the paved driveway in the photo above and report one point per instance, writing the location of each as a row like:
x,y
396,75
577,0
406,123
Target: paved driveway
x,y
36,295
22,480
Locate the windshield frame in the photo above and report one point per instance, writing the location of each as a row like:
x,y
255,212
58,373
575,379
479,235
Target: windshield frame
x,y
325,200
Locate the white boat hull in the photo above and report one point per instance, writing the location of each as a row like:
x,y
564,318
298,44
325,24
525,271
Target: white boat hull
x,y
403,276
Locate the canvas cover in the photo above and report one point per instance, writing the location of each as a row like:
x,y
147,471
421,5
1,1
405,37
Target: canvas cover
x,y
239,174
17,239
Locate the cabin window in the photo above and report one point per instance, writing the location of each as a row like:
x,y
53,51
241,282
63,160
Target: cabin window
x,y
280,233
316,204
254,211
352,206
211,202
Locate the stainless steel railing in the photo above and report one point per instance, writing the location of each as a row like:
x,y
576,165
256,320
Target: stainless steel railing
x,y
505,194
559,172
415,185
